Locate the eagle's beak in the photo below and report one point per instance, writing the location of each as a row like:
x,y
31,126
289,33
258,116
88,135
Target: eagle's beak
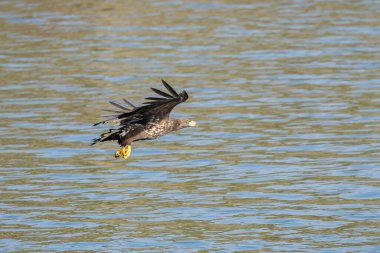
x,y
192,123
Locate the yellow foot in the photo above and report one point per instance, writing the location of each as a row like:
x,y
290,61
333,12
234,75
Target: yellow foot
x,y
127,151
123,152
119,153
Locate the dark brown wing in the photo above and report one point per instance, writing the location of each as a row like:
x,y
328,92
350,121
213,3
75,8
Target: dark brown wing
x,y
156,109
121,110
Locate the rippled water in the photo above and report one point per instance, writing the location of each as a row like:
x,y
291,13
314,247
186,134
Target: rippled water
x,y
285,158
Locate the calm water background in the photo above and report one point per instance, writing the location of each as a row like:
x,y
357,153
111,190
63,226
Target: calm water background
x,y
285,158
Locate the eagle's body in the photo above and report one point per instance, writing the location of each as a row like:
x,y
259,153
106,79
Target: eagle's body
x,y
145,122
149,131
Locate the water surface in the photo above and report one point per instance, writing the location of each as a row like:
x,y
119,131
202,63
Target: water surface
x,y
285,158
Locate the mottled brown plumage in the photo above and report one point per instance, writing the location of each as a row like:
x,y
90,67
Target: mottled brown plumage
x,y
146,122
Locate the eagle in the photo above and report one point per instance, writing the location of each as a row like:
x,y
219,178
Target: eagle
x,y
146,122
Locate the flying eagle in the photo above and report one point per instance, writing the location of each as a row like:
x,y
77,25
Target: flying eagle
x,y
146,122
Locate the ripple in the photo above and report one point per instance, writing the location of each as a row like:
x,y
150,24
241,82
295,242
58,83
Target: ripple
x,y
285,157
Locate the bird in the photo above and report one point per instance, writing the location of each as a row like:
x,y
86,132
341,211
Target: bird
x,y
146,122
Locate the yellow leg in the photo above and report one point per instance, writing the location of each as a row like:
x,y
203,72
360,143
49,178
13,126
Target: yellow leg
x,y
127,151
119,153
124,152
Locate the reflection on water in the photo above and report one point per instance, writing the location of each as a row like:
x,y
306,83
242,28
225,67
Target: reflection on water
x,y
285,158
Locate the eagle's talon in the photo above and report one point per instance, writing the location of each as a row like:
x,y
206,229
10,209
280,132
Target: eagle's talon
x,y
119,153
126,152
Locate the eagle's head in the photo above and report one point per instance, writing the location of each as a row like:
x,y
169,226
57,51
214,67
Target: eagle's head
x,y
183,123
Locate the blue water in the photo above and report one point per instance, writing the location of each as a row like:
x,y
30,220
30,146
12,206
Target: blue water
x,y
284,158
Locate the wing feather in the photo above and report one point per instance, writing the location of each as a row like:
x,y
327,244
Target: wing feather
x,y
119,106
170,89
161,93
156,108
153,98
113,111
129,103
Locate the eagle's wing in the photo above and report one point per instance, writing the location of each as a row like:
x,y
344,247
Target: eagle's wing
x,y
156,109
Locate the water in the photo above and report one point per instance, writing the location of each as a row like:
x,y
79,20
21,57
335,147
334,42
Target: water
x,y
285,158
